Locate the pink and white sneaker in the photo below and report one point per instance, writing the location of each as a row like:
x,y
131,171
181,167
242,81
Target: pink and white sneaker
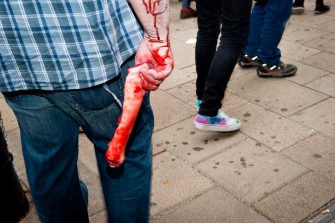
x,y
220,123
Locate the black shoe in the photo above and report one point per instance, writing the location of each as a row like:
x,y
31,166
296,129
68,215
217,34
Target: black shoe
x,y
319,9
281,70
246,62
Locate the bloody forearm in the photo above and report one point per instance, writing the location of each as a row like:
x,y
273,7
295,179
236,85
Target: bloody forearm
x,y
154,17
133,96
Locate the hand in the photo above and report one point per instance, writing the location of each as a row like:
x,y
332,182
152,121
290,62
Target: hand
x,y
157,62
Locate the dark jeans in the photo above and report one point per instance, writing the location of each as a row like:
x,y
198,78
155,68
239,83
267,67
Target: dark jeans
x,y
267,25
214,64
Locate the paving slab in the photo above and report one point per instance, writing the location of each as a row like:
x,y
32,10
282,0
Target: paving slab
x,y
241,72
299,33
7,114
178,77
273,130
216,205
187,33
13,140
323,60
174,181
186,93
296,51
325,43
183,54
96,201
309,19
100,217
305,73
297,200
324,84
315,153
329,25
251,170
320,117
193,145
269,93
168,110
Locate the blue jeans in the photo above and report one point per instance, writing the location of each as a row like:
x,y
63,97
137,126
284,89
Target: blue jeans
x,y
267,25
186,4
49,123
214,65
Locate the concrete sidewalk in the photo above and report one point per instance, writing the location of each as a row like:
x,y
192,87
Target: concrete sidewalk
x,y
279,168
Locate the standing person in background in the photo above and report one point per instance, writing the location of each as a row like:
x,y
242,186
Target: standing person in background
x,y
214,65
186,10
63,65
267,25
320,7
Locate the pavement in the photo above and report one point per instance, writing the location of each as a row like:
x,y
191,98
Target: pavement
x,y
278,168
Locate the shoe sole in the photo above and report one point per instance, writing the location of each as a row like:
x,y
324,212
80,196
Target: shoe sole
x,y
216,128
267,75
320,12
247,64
298,11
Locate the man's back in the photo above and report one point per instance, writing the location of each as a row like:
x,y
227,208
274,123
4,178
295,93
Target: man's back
x,y
60,45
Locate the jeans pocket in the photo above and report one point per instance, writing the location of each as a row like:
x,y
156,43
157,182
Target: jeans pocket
x,y
12,96
98,98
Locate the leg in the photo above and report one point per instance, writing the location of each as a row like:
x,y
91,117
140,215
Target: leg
x,y
50,148
126,189
277,12
208,32
253,42
186,10
186,4
320,7
299,3
235,23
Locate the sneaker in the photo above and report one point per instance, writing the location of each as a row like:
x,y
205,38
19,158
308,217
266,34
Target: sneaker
x,y
186,13
319,9
245,61
197,104
221,123
297,10
281,70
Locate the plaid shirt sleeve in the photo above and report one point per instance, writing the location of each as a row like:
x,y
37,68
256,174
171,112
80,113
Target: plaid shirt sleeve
x,y
62,45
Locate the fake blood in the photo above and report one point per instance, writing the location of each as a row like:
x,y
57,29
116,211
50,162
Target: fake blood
x,y
133,96
151,9
134,92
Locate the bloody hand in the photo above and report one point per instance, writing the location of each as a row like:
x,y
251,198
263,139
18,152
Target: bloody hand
x,y
158,57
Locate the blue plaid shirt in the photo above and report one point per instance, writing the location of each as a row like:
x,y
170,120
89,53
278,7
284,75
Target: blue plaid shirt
x,y
64,44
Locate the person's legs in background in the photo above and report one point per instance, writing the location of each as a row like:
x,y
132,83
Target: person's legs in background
x,y
320,7
267,25
298,7
207,37
250,52
214,66
186,10
277,13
